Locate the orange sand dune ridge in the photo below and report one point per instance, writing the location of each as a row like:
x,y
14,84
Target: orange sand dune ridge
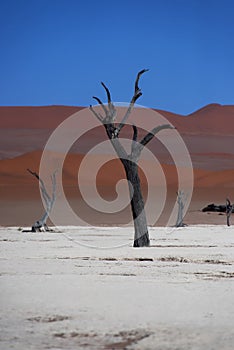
x,y
14,171
211,119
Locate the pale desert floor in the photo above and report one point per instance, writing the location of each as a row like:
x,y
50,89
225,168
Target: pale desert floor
x,y
87,288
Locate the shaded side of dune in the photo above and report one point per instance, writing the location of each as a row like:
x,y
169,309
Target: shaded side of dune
x,y
21,202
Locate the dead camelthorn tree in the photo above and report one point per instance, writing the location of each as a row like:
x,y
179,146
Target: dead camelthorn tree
x,y
129,161
181,203
228,211
49,200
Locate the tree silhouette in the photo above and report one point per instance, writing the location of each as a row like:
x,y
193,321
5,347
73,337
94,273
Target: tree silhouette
x,y
40,225
129,161
181,203
228,211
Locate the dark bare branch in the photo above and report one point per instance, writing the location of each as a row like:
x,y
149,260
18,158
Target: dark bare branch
x,y
134,139
101,104
45,194
153,132
137,94
107,92
111,114
135,133
137,89
33,173
137,147
98,116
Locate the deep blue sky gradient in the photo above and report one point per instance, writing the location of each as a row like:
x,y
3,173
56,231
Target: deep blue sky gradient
x,y
57,52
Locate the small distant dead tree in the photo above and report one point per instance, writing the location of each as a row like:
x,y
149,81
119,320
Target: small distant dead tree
x,y
49,200
181,203
219,208
229,208
129,161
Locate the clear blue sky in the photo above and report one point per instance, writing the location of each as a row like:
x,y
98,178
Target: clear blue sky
x,y
57,52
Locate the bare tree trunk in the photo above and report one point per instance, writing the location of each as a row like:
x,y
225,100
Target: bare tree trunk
x,y
40,225
141,236
181,203
129,161
228,211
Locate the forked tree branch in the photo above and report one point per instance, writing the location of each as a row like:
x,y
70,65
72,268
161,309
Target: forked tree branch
x,y
110,112
45,194
129,161
137,147
119,149
98,116
110,117
137,94
49,200
101,104
113,131
153,132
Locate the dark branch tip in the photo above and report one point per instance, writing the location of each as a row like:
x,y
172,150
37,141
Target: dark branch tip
x,y
143,71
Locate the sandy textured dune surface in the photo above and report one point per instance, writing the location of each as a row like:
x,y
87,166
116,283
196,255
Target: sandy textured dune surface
x,y
24,131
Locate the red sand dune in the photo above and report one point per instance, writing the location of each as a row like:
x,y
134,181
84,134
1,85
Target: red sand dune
x,y
214,121
209,130
14,171
208,133
211,119
21,203
44,117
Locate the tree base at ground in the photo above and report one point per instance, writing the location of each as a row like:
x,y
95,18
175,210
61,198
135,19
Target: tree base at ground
x,y
143,241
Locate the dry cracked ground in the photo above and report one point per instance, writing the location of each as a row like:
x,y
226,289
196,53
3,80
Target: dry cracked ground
x,y
87,288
